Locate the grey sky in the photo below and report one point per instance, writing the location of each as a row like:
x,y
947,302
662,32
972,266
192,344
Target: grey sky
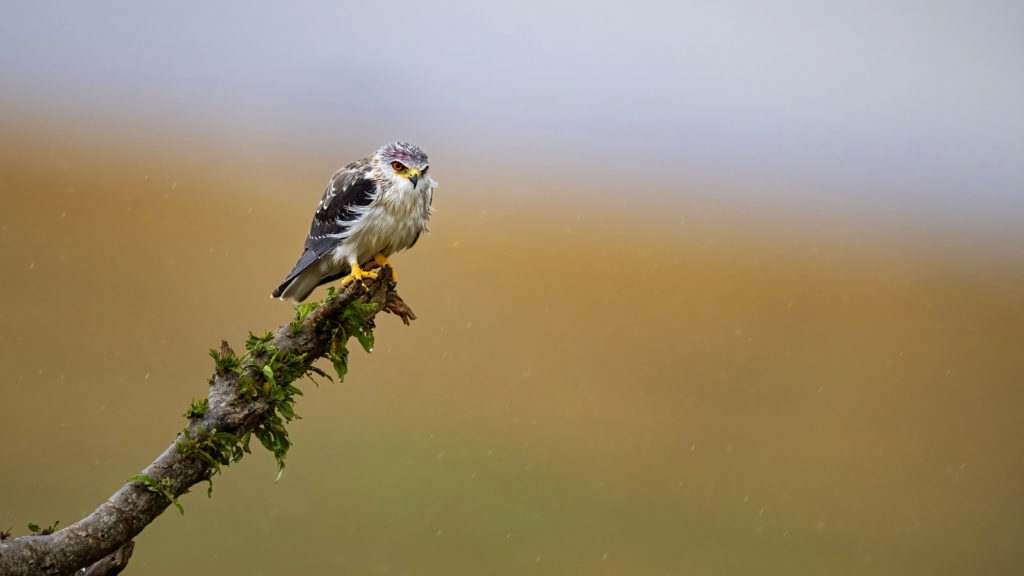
x,y
909,104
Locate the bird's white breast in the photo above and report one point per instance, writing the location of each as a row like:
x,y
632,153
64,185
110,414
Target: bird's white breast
x,y
390,223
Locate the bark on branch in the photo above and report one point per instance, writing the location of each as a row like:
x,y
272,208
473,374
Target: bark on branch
x,y
238,404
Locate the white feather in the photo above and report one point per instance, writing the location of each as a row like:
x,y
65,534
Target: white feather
x,y
391,222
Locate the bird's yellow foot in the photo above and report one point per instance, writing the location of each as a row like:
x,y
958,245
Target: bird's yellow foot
x,y
357,273
379,260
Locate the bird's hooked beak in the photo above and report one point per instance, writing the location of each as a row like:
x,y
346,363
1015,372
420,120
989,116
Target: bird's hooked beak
x,y
414,177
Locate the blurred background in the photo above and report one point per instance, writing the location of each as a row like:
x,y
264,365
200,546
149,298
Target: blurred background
x,y
729,288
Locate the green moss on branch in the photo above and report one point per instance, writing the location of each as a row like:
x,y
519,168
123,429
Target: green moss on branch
x,y
249,395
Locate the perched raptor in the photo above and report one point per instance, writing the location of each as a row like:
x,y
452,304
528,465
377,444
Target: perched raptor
x,y
371,209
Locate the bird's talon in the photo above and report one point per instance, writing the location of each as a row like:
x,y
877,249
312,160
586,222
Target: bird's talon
x,y
381,260
359,274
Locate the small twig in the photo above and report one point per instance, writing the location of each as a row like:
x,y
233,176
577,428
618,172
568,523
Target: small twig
x,y
112,563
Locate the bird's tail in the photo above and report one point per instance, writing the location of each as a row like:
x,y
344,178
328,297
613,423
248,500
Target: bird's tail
x,y
301,281
297,288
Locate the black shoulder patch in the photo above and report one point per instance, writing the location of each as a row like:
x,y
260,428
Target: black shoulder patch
x,y
347,191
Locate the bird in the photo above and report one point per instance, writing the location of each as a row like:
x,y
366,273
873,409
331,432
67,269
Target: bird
x,y
371,209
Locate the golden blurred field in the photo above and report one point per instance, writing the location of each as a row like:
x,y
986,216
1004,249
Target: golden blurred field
x,y
591,388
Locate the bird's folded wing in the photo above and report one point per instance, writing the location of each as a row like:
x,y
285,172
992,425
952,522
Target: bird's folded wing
x,y
349,191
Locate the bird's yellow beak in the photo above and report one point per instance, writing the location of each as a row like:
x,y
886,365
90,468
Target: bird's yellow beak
x,y
413,176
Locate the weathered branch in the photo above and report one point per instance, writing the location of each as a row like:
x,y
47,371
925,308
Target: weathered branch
x,y
249,395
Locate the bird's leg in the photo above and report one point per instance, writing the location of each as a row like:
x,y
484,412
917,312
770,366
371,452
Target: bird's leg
x,y
357,273
380,260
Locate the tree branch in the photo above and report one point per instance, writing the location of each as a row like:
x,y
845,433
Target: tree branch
x,y
251,395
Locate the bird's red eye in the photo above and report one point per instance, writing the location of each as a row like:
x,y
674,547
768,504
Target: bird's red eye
x,y
398,166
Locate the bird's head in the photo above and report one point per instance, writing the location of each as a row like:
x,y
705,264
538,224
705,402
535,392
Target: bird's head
x,y
401,164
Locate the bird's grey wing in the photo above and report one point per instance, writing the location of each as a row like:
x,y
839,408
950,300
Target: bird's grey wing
x,y
349,190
